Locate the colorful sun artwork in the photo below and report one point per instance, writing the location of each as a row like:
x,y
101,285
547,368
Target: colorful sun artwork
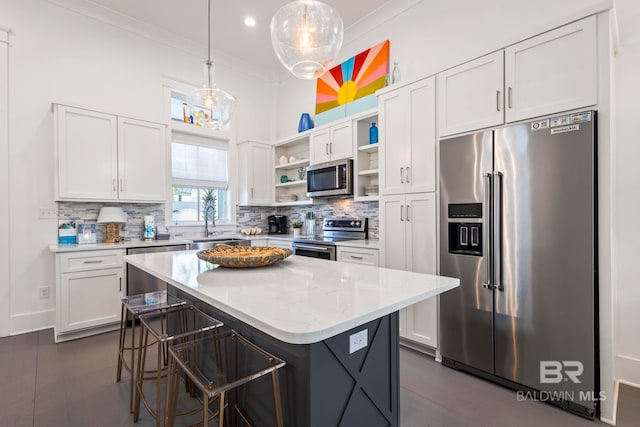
x,y
350,87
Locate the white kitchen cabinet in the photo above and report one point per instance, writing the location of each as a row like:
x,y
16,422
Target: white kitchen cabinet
x,y
408,236
89,286
255,173
363,256
553,72
332,143
87,152
103,157
142,155
471,95
408,139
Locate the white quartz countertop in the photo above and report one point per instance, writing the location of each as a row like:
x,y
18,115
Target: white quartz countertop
x,y
122,245
299,300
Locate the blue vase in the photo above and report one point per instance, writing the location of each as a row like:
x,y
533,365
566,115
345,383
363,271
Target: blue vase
x,y
305,122
373,134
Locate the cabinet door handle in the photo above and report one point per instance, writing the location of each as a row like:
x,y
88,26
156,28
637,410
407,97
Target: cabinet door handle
x,y
407,173
114,185
331,148
407,209
326,149
121,284
251,191
121,185
401,175
93,262
356,257
498,100
509,94
401,212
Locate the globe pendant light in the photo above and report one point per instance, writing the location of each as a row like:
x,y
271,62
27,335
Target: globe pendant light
x,y
307,36
215,104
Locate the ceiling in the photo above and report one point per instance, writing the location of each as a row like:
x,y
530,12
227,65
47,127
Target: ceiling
x,y
188,20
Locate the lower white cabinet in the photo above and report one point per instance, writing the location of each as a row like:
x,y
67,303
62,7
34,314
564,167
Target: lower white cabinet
x,y
408,236
358,255
89,287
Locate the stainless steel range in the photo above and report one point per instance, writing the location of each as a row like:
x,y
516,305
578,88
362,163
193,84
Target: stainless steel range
x,y
333,230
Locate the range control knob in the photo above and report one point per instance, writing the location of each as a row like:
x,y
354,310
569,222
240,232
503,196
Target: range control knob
x,y
357,223
330,223
353,223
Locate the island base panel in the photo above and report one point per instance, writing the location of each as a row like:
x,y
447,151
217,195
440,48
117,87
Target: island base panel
x,y
322,384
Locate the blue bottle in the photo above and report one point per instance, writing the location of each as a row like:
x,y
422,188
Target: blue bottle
x,y
373,134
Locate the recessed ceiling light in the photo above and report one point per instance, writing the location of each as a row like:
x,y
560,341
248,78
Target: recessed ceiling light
x,y
249,21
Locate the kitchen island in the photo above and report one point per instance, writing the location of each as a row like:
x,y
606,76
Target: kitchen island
x,y
335,324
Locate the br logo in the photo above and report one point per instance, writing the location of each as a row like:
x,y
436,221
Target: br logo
x,y
554,372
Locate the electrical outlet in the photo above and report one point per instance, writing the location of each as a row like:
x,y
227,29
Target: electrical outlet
x,y
48,212
263,216
44,292
357,341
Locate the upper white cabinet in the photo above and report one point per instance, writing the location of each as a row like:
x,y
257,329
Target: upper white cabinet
x,y
556,71
141,160
547,74
332,143
470,96
106,157
255,173
408,139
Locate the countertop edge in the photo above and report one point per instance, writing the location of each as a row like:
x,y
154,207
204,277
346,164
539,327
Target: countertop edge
x,y
293,337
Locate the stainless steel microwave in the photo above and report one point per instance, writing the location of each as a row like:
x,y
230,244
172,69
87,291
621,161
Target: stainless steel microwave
x,y
331,179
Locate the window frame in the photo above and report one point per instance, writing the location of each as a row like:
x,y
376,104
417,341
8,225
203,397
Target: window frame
x,y
197,134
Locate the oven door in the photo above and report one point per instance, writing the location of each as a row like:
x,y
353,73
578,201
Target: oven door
x,y
314,251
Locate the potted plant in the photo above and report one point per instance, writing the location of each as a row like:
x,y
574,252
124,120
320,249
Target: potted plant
x,y
296,225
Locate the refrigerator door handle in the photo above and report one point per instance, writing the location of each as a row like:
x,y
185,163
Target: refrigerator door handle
x,y
497,231
486,264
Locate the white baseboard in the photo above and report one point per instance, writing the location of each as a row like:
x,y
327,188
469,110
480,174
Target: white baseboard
x,y
628,370
30,322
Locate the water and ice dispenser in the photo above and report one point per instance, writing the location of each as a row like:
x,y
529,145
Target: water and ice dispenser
x,y
465,238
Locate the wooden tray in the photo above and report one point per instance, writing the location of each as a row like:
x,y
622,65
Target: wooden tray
x,y
243,256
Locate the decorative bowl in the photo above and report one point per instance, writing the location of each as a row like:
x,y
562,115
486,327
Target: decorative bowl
x,y
243,256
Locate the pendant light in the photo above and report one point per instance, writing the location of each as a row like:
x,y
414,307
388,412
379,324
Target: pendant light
x,y
307,36
215,103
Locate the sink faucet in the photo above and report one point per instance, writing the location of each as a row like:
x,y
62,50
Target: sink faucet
x,y
208,233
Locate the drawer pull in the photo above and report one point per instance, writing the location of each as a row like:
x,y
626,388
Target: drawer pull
x,y
356,257
93,262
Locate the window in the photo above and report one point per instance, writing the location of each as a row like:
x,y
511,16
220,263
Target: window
x,y
198,164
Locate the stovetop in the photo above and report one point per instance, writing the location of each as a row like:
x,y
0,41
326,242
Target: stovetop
x,y
338,230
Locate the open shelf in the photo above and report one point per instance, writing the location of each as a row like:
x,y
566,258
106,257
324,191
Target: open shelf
x,y
368,172
296,164
368,148
292,183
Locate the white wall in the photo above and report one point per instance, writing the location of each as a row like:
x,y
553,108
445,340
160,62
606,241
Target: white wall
x,y
4,183
60,55
627,156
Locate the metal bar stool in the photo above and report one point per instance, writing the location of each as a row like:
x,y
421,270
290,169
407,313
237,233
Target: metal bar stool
x,y
218,366
132,307
175,325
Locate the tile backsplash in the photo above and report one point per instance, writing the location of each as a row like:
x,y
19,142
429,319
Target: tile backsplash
x,y
245,217
252,216
133,229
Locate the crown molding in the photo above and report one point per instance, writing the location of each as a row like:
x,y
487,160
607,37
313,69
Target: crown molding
x,y
159,35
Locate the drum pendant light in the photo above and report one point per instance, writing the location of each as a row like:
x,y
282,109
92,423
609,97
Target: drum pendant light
x,y
307,37
216,104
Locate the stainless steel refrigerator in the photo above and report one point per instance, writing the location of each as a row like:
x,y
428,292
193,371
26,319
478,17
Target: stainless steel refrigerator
x,y
518,226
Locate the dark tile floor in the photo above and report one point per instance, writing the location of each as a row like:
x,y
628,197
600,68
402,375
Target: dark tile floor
x,y
73,384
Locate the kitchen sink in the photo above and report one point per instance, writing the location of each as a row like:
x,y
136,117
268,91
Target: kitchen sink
x,y
211,243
